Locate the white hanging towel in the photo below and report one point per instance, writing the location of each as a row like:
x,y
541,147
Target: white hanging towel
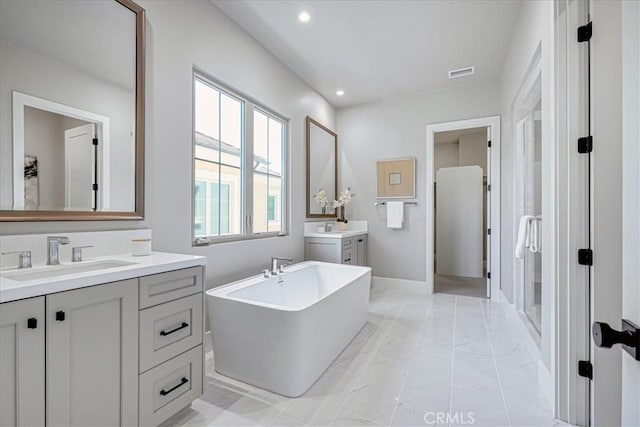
x,y
395,214
524,235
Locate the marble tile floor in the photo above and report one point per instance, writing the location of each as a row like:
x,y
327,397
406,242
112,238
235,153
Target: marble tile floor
x,y
420,360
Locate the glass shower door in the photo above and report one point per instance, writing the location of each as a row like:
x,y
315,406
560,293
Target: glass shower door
x,y
533,206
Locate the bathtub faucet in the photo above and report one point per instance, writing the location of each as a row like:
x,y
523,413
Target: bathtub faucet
x,y
274,264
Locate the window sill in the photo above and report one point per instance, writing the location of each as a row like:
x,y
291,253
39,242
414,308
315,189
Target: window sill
x,y
208,241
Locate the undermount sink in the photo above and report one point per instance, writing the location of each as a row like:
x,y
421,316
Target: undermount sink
x,y
64,269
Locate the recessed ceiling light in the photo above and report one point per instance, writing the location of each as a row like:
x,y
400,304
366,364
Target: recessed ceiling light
x,y
339,92
304,17
466,71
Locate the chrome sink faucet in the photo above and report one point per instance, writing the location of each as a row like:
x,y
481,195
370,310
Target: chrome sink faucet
x,y
274,264
53,246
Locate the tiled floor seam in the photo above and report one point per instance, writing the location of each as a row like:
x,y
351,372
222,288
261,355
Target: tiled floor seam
x,y
495,365
413,356
453,353
369,358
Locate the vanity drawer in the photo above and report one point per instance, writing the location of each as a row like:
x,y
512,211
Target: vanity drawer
x,y
169,329
347,243
167,388
164,287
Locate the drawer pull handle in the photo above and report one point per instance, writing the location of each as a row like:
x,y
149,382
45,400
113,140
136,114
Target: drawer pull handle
x,y
165,333
32,323
183,381
60,316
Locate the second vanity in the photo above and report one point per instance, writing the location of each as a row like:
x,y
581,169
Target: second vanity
x,y
121,345
340,247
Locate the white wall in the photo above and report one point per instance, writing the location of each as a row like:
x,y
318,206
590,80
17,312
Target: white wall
x,y
397,129
43,139
196,33
445,155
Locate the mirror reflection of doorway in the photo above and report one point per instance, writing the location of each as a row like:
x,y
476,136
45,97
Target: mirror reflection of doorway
x,y
461,165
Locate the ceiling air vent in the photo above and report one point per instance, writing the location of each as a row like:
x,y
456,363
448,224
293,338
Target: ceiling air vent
x,y
467,71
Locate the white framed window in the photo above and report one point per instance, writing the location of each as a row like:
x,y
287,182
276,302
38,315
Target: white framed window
x,y
240,168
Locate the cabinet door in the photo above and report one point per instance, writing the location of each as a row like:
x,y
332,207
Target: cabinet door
x,y
22,362
361,250
322,249
92,355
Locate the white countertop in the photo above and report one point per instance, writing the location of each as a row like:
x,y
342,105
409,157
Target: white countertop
x,y
157,262
336,234
355,228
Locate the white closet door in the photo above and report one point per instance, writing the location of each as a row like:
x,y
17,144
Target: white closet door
x,y
459,221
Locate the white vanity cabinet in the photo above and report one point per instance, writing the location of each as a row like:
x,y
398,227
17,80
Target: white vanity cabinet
x,y
127,352
22,370
337,248
92,351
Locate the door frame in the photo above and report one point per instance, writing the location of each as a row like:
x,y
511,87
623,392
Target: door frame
x,y
19,102
572,340
631,201
493,179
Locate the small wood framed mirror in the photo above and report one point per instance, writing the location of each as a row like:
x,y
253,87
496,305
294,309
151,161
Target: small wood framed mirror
x,y
322,170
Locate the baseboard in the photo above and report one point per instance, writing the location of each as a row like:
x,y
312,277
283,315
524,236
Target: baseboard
x,y
392,283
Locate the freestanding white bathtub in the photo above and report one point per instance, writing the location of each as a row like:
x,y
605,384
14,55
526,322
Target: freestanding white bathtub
x,y
281,333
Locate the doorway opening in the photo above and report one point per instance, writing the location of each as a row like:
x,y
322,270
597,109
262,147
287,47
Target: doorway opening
x,y
461,214
463,207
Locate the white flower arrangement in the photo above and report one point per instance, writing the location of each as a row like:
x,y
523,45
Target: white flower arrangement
x,y
345,198
343,201
321,198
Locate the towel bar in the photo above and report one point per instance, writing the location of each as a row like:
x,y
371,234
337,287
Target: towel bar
x,y
384,203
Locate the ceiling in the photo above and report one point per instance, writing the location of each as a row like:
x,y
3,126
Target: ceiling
x,y
378,50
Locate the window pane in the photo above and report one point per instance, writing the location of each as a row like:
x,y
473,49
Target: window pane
x,y
218,153
200,209
207,107
260,203
230,200
268,143
230,130
275,146
275,194
260,141
271,208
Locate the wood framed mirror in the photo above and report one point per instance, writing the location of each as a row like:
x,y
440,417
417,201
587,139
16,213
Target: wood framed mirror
x,y
72,89
322,170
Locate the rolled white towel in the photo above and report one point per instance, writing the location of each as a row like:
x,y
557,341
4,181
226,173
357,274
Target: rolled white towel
x,y
524,235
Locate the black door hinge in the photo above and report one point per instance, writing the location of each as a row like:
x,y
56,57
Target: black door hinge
x,y
488,275
489,144
489,231
585,32
95,141
585,369
585,144
95,187
585,257
489,187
